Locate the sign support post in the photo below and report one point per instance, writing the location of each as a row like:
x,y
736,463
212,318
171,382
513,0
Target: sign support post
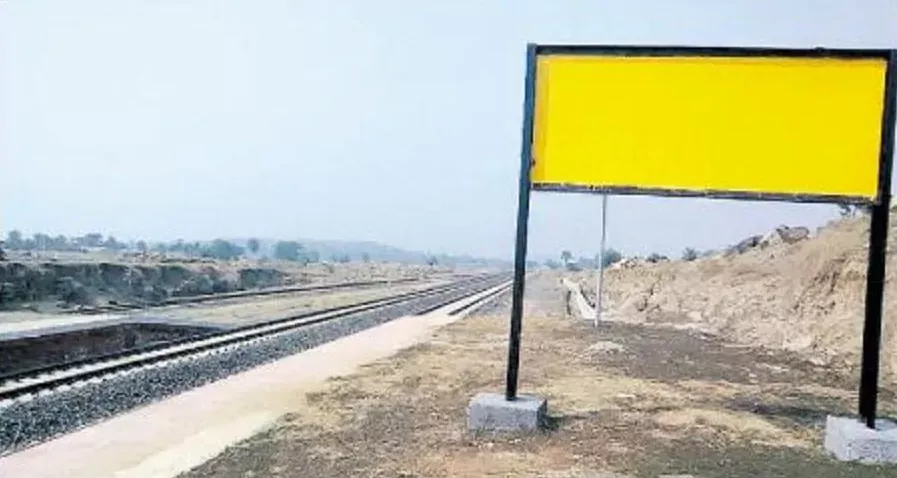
x,y
878,242
526,158
599,282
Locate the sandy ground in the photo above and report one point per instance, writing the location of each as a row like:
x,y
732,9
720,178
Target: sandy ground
x,y
634,399
172,436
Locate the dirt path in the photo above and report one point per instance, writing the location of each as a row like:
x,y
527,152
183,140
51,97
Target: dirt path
x,y
628,399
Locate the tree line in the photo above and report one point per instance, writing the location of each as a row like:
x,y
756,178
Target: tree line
x,y
611,256
216,249
569,262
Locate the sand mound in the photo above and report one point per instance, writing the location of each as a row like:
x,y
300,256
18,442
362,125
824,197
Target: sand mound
x,y
806,296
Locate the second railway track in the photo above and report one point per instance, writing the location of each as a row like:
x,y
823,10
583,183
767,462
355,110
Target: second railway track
x,y
40,404
223,296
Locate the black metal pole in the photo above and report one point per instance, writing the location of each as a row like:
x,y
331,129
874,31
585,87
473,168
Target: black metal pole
x,y
878,241
526,158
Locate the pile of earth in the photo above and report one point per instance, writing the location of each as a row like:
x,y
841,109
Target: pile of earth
x,y
787,290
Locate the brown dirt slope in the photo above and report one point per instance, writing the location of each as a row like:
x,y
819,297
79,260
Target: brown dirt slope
x,y
805,297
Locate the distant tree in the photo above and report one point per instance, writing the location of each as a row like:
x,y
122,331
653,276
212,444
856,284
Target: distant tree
x,y
432,261
365,257
59,243
14,240
112,244
611,256
342,258
221,249
193,248
93,239
176,246
141,246
689,254
312,256
253,245
2,255
42,241
287,250
566,256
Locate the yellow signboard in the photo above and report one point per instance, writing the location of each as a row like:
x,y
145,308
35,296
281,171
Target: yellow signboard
x,y
732,126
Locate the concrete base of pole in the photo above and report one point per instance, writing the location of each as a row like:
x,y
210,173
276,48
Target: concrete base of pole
x,y
848,439
492,412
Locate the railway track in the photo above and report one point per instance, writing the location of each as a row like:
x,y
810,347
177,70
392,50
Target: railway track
x,y
37,380
124,307
39,404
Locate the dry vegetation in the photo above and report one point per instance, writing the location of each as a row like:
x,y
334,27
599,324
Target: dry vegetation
x,y
625,398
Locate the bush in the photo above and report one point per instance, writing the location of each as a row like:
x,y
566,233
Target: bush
x,y
689,254
655,258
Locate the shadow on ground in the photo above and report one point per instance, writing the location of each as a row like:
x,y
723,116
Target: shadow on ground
x,y
772,394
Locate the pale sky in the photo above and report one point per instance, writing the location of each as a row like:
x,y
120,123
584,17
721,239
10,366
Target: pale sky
x,y
393,121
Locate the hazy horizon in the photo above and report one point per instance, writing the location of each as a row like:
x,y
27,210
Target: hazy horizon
x,y
392,122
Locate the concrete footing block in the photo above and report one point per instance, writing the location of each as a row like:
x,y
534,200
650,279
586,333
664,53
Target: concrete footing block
x,y
491,412
848,439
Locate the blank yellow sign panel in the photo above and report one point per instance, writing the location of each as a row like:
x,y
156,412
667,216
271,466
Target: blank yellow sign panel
x,y
751,126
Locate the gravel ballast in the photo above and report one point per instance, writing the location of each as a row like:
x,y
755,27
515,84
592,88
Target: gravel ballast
x,y
25,422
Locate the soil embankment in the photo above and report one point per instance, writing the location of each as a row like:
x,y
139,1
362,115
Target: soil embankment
x,y
81,283
784,291
48,285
